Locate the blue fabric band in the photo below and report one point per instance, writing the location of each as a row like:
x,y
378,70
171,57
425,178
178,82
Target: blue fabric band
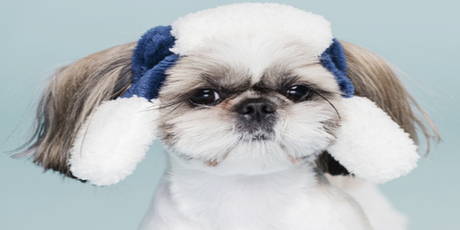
x,y
151,58
334,60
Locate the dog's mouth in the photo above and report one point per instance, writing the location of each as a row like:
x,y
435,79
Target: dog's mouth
x,y
258,136
261,137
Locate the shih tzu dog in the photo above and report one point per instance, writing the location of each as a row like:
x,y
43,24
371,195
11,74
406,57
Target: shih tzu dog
x,y
269,122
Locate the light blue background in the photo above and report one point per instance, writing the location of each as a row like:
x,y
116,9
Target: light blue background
x,y
420,37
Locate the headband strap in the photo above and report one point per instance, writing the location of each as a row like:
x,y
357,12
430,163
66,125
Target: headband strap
x,y
151,58
334,60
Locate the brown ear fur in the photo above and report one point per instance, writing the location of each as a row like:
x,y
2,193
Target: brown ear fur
x,y
74,92
374,78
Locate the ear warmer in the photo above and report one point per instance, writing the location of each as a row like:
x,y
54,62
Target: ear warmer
x,y
115,138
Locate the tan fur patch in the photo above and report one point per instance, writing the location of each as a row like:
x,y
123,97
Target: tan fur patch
x,y
211,163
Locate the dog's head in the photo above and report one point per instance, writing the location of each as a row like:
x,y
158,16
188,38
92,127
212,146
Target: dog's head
x,y
249,105
241,89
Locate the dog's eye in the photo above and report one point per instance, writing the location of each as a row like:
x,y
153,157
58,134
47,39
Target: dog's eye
x,y
299,93
205,97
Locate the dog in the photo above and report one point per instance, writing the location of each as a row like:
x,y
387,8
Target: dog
x,y
269,122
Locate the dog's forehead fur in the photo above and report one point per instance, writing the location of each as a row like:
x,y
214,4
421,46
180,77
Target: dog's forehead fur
x,y
239,63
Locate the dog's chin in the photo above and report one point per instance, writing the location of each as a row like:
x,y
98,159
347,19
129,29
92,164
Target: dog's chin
x,y
252,155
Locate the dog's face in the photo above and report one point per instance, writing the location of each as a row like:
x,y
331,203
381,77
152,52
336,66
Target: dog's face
x,y
248,105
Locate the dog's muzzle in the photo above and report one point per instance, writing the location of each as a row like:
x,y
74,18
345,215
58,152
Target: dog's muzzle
x,y
256,116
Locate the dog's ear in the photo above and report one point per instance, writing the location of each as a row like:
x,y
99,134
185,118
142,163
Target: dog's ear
x,y
377,138
97,117
73,94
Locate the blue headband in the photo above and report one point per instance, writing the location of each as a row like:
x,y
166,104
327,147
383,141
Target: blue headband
x,y
152,57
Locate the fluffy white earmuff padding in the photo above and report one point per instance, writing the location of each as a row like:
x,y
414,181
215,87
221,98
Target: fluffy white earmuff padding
x,y
243,20
370,144
113,140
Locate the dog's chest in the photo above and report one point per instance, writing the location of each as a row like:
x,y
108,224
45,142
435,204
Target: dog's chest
x,y
287,200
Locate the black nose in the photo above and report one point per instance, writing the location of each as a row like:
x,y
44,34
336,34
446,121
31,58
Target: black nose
x,y
256,109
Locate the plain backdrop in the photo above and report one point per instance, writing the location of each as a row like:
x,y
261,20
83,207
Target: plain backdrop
x,y
420,37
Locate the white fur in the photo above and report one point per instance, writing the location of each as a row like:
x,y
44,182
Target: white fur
x,y
293,199
113,140
255,53
199,29
370,144
378,209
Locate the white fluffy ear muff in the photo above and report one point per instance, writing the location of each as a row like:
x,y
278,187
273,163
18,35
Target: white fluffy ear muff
x,y
113,140
370,144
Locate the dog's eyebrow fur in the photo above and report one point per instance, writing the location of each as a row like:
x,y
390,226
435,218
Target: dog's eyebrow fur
x,y
278,83
228,83
281,81
232,82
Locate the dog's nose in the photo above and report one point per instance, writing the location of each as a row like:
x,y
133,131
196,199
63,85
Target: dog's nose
x,y
256,109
